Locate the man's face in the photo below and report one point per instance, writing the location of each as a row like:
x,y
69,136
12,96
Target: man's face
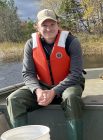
x,y
48,29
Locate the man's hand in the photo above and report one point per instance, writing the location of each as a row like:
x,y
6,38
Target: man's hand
x,y
45,97
39,94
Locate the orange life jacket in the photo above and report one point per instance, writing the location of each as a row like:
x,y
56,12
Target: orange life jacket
x,y
59,64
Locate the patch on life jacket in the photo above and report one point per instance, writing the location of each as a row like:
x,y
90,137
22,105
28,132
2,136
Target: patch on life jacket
x,y
59,55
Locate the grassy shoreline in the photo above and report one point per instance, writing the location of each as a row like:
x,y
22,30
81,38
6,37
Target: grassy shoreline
x,y
91,45
10,51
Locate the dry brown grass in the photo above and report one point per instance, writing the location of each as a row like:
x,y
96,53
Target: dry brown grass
x,y
91,45
10,51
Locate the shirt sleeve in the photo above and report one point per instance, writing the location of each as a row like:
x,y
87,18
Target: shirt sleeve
x,y
76,66
28,71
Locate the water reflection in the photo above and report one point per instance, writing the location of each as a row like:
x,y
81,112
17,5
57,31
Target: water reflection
x,y
10,72
93,61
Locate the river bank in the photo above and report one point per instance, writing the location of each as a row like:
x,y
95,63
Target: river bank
x,y
91,45
11,51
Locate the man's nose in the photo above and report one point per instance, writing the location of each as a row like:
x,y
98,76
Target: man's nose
x,y
48,28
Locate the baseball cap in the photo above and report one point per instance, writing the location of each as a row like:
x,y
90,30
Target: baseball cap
x,y
45,14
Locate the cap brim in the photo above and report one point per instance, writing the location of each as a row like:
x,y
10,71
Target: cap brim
x,y
41,21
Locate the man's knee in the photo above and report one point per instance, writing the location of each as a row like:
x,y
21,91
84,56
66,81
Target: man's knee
x,y
72,92
18,94
13,97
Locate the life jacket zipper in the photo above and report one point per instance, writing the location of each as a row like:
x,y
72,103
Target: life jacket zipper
x,y
51,75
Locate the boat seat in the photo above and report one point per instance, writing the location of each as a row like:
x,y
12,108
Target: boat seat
x,y
93,92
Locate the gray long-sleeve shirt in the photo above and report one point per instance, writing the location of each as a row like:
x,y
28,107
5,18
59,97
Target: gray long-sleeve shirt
x,y
75,77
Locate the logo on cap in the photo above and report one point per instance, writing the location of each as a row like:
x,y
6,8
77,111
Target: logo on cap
x,y
59,55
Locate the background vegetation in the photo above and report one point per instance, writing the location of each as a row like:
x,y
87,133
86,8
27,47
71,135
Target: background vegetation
x,y
84,18
11,27
78,15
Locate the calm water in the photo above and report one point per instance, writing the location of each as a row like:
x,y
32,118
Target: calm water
x,y
93,61
10,73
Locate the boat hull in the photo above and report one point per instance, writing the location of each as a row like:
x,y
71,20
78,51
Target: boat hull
x,y
53,115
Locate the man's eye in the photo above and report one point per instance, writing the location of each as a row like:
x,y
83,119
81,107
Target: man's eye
x,y
53,24
44,25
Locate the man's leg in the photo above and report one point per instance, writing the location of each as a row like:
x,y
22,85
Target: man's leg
x,y
18,104
72,105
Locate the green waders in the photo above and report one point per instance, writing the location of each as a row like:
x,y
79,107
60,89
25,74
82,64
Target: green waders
x,y
72,105
22,101
18,104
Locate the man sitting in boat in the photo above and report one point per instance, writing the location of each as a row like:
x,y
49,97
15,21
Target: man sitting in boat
x,y
52,72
